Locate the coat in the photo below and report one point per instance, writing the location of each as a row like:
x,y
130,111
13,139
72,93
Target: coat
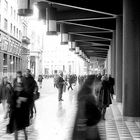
x,y
104,95
19,113
87,117
5,91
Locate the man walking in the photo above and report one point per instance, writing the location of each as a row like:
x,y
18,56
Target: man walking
x,y
29,85
60,84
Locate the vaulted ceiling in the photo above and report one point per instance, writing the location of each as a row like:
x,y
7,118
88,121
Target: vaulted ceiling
x,y
90,22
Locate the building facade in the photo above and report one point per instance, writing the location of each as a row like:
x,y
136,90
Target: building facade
x,y
13,39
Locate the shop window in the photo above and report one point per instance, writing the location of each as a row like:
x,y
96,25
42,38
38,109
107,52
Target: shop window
x,y
4,59
5,24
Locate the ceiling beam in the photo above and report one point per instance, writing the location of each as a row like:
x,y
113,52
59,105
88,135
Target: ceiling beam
x,y
68,4
84,25
78,15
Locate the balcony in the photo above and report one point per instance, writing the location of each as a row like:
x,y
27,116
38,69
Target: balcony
x,y
25,40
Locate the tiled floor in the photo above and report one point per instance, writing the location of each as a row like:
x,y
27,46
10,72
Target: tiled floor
x,y
54,120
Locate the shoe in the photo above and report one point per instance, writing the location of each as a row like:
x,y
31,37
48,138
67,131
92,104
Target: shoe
x,y
61,100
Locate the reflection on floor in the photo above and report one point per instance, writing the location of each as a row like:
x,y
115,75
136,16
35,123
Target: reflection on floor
x,y
54,120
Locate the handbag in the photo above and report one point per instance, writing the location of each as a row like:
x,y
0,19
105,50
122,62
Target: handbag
x,y
36,95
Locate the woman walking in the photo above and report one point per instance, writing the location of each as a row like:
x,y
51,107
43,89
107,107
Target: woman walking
x,y
5,92
104,96
19,108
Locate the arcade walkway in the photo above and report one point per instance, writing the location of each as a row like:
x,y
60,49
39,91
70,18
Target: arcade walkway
x,y
54,120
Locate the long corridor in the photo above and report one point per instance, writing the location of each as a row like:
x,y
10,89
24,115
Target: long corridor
x,y
54,120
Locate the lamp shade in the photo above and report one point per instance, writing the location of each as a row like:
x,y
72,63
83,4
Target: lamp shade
x,y
64,34
42,10
25,7
72,45
51,20
77,50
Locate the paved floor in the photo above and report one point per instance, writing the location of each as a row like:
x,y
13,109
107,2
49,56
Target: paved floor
x,y
54,120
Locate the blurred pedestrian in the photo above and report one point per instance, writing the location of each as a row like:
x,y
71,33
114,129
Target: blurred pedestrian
x,y
29,86
70,81
5,92
19,107
111,81
88,114
40,79
104,96
56,76
60,84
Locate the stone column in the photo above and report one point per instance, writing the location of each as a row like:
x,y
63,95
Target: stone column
x,y
113,54
131,58
119,50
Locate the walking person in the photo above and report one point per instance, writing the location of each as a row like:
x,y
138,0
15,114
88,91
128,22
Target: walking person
x,y
88,114
5,92
70,81
40,79
19,107
111,81
104,96
60,84
29,86
56,76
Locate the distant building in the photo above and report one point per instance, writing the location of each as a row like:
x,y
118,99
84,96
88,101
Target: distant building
x,y
13,39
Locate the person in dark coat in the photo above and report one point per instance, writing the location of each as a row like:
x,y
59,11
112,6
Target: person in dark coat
x,y
70,81
88,114
40,79
60,84
111,81
5,92
29,86
104,96
19,107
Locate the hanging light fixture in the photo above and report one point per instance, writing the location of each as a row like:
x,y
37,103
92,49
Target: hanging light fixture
x,y
47,13
25,7
72,46
77,49
80,53
72,43
42,11
51,20
64,34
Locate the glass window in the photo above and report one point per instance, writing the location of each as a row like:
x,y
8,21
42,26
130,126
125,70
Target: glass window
x,y
11,11
17,33
5,6
14,30
11,28
5,24
4,59
0,20
14,14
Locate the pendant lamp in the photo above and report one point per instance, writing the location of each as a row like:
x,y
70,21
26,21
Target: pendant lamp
x,y
64,34
51,20
72,43
77,50
25,7
47,13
